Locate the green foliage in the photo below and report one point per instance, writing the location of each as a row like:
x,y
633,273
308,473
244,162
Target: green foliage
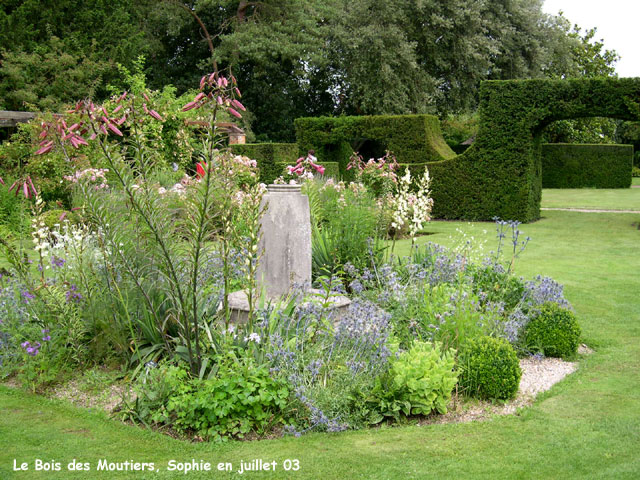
x,y
346,227
412,138
554,331
52,217
497,285
13,209
239,399
457,129
582,130
47,173
50,76
271,157
418,381
447,313
489,368
635,172
16,158
578,166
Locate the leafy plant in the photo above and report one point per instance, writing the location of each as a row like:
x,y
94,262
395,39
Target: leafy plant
x,y
346,226
418,382
240,398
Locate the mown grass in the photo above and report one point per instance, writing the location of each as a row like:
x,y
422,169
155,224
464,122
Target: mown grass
x,y
585,427
600,198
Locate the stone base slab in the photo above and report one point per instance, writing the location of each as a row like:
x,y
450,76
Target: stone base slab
x,y
239,304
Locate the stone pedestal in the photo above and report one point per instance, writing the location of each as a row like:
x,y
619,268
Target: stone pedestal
x,y
285,242
285,245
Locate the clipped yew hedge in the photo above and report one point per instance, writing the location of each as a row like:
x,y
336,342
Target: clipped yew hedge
x,y
567,165
501,174
271,157
412,138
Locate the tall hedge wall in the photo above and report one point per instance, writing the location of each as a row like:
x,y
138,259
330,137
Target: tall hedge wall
x,y
412,138
271,157
576,166
501,174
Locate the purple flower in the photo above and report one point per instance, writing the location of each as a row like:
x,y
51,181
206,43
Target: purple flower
x,y
57,262
73,295
27,296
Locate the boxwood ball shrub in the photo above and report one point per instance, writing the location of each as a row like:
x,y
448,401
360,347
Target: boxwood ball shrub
x,y
489,368
554,331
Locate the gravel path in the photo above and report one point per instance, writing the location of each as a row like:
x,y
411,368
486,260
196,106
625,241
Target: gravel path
x,y
589,210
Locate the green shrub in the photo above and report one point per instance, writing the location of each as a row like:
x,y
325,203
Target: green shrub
x,y
346,227
52,217
424,312
490,368
418,382
13,209
577,166
554,331
635,172
456,129
496,285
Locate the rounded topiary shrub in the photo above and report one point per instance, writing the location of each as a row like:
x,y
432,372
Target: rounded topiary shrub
x,y
490,368
553,331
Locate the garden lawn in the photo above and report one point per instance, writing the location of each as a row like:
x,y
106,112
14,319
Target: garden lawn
x,y
588,426
598,198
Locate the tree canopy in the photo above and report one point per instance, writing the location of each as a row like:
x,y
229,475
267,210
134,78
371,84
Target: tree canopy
x,y
292,58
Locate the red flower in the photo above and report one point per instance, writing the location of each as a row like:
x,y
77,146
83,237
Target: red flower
x,y
200,169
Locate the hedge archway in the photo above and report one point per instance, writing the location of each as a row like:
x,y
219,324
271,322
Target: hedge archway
x,y
501,173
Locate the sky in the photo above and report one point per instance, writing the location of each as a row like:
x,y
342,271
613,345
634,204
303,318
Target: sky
x,y
617,24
